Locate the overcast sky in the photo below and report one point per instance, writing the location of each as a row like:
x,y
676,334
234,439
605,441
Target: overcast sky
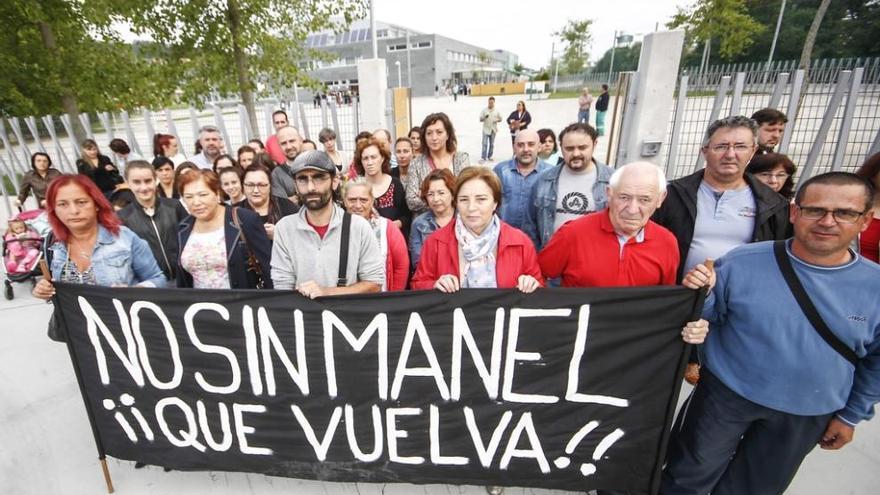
x,y
525,27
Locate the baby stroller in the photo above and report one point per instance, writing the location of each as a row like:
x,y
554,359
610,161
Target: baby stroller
x,y
23,248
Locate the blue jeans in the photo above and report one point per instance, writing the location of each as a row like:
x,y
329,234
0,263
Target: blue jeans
x,y
727,445
488,146
584,116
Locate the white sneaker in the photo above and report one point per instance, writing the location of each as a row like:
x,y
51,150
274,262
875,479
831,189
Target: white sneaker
x,y
494,490
482,161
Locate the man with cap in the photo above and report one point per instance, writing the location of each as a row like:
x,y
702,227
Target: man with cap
x,y
310,247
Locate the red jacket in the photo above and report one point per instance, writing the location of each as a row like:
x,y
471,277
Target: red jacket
x,y
516,256
397,261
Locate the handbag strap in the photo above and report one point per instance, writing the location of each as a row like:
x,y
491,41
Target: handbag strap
x,y
807,306
342,280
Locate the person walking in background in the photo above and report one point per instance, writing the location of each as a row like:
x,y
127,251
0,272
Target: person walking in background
x,y
518,120
585,101
490,117
601,108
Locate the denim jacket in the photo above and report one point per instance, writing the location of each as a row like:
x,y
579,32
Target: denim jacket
x,y
125,259
542,204
423,226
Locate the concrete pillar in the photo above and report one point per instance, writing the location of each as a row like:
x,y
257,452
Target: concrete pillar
x,y
646,118
373,89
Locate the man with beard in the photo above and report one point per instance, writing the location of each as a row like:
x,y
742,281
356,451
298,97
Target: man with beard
x,y
311,246
518,177
570,191
212,147
282,177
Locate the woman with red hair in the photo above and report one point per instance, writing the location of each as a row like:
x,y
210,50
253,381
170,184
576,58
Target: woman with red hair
x,y
90,244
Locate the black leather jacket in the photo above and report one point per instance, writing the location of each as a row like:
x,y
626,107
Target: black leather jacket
x,y
160,230
679,213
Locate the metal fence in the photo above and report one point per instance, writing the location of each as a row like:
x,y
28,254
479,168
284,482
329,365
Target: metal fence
x,y
833,111
578,81
20,137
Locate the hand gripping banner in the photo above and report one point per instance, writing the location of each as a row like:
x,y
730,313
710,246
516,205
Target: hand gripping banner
x,y
565,388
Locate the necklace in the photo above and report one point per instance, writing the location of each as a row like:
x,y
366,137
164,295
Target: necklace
x,y
80,250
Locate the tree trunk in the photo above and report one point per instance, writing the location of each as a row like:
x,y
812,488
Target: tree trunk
x,y
807,53
233,15
68,99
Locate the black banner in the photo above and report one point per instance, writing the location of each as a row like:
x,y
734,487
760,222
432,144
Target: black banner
x,y
564,388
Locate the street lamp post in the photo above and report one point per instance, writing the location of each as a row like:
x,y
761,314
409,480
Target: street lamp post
x,y
611,65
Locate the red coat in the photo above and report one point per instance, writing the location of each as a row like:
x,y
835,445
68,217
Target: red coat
x,y
397,261
516,256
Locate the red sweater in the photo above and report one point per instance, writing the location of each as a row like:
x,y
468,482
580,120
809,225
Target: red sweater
x,y
516,256
586,253
397,261
273,149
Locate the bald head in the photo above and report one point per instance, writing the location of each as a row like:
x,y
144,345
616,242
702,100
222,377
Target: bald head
x,y
525,148
635,191
289,141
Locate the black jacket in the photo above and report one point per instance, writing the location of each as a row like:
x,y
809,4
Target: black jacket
x,y
240,277
105,175
679,213
160,230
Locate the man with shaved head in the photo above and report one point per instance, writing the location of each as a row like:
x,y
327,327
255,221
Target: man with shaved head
x,y
518,176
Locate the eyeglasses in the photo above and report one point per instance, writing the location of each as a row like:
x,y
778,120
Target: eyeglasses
x,y
840,215
738,148
781,177
318,180
437,194
252,185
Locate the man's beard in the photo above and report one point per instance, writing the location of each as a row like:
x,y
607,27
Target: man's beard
x,y
309,200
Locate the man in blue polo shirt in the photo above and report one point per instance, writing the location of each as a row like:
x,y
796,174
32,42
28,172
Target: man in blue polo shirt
x,y
773,387
518,177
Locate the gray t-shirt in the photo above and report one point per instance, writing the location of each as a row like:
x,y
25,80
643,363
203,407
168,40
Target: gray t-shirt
x,y
725,220
574,198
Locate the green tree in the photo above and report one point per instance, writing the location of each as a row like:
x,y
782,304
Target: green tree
x,y
576,37
625,58
236,46
728,21
61,56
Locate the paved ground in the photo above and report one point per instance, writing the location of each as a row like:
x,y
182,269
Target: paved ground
x,y
48,447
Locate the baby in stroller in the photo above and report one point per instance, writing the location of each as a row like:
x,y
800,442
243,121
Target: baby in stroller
x,y
22,246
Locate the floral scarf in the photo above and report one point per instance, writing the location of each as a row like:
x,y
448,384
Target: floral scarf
x,y
479,260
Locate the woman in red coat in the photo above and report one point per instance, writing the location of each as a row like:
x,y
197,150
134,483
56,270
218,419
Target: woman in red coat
x,y
477,249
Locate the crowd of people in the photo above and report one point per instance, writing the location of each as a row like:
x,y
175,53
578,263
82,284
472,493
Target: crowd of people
x,y
415,213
